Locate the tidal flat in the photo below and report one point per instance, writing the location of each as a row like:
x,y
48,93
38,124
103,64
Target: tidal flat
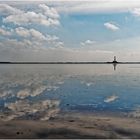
x,y
72,125
69,101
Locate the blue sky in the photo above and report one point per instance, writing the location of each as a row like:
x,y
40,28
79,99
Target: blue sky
x,y
69,30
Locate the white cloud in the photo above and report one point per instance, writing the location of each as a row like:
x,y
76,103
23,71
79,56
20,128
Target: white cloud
x,y
88,42
6,9
136,11
49,12
29,18
59,44
85,6
25,51
13,43
22,32
111,26
29,38
94,6
30,33
48,16
26,45
36,35
3,32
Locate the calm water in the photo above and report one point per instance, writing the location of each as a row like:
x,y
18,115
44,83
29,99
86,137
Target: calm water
x,y
43,91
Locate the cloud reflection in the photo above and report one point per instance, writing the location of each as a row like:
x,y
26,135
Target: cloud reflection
x,y
21,89
111,98
135,113
41,110
27,91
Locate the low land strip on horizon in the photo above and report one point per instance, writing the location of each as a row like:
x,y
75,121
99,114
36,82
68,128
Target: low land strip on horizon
x,y
69,62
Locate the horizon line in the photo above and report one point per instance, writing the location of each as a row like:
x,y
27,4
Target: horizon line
x,y
69,62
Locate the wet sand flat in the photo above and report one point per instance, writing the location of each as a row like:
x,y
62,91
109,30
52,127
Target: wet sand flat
x,y
72,125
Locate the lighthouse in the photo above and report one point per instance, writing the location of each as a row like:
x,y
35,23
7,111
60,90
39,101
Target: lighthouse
x,y
115,60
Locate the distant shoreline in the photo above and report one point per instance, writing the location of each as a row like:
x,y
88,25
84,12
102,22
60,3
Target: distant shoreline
x,y
69,63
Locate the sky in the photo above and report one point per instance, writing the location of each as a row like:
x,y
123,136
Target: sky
x,y
69,30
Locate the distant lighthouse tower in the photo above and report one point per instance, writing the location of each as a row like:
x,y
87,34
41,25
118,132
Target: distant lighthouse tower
x,y
115,60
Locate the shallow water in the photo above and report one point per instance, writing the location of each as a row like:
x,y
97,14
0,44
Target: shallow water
x,y
40,92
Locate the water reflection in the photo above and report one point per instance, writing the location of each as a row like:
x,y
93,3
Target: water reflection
x,y
20,88
42,110
42,91
115,66
111,98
